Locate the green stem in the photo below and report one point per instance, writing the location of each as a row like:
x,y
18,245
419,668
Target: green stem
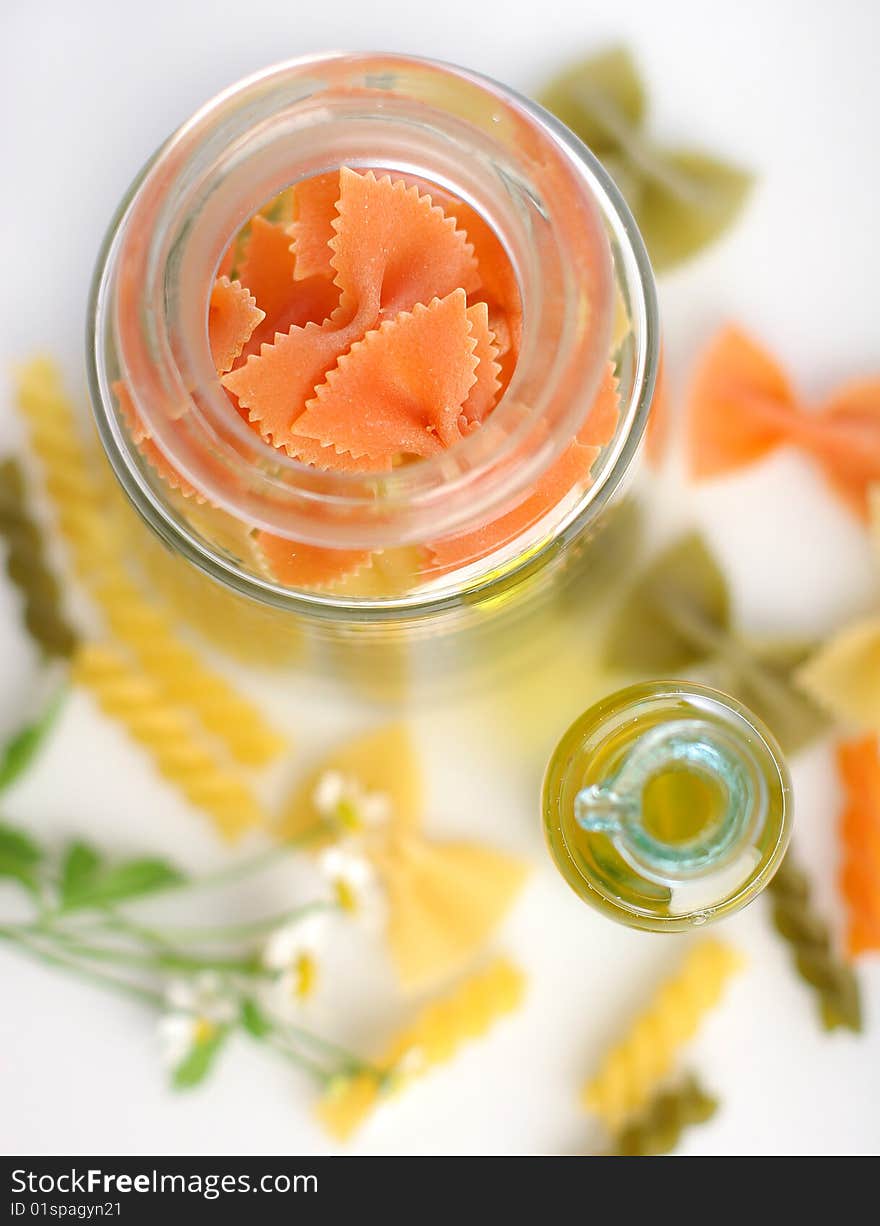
x,y
297,1058
253,864
353,1062
149,961
88,974
233,932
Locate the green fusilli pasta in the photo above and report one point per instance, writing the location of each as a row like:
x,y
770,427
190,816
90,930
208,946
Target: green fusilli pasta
x,y
28,568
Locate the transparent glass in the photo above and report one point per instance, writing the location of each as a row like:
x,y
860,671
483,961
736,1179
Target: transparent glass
x,y
587,295
667,805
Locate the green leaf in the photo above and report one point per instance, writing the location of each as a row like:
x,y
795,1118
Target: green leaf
x,y
78,871
19,856
198,1062
132,879
253,1019
18,753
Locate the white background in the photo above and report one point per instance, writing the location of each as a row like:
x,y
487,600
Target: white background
x,y
87,91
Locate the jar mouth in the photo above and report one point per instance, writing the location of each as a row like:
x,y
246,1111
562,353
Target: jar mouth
x,y
162,344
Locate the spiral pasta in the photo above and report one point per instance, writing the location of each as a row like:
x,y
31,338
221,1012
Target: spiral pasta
x,y
658,1130
54,439
162,728
635,1066
28,568
178,673
816,962
98,553
434,1037
859,766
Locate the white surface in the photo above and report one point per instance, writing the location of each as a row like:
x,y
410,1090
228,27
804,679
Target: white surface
x,y
87,91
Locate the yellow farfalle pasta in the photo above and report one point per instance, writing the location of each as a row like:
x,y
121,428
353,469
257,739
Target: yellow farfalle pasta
x,y
434,1036
179,673
844,674
98,555
633,1068
127,694
445,898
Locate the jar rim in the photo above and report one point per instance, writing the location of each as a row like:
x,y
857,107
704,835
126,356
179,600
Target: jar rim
x,y
612,465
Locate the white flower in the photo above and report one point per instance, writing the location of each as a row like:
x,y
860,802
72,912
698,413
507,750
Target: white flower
x,y
352,879
343,800
197,1008
292,951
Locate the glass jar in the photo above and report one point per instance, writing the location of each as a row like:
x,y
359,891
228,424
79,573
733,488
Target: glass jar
x,y
667,805
587,299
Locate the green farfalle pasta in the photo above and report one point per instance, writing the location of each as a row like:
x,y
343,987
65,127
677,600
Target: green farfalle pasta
x,y
604,558
817,963
658,1129
683,199
28,568
677,620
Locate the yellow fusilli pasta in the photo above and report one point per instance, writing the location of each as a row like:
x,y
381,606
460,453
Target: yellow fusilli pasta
x,y
97,550
55,441
180,674
435,1035
633,1068
161,727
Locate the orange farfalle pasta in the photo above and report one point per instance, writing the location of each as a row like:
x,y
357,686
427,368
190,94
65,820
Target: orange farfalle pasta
x,y
233,315
391,250
742,406
398,391
571,469
314,208
483,395
147,447
275,385
498,285
858,762
303,565
374,321
657,432
266,268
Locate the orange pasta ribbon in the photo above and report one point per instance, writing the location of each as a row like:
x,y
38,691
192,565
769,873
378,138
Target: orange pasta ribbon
x,y
392,250
742,407
659,419
569,471
858,762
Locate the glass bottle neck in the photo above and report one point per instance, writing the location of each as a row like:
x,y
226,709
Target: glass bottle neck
x,y
685,799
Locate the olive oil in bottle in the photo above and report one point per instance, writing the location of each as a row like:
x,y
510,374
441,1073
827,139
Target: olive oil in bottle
x,y
667,805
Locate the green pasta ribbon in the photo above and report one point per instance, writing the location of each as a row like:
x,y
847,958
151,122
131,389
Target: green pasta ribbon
x,y
658,1130
28,568
797,922
682,199
677,620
